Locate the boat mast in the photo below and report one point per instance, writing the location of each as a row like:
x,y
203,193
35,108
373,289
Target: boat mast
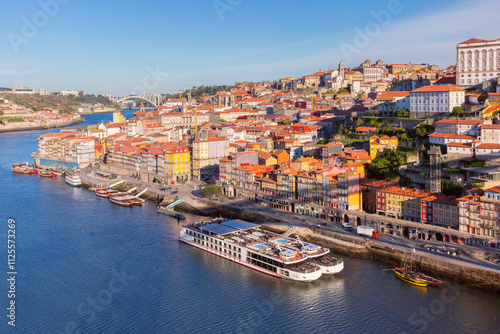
x,y
411,260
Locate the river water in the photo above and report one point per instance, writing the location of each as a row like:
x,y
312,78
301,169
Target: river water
x,y
87,266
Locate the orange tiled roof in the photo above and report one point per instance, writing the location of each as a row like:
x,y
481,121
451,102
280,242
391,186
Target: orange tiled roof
x,y
440,88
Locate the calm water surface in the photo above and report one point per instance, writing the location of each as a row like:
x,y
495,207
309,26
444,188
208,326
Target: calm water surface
x,y
85,265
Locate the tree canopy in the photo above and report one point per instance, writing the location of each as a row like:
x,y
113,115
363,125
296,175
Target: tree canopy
x,y
402,113
457,111
211,190
387,163
423,130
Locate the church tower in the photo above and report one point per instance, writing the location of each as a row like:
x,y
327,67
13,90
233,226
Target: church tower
x,y
341,69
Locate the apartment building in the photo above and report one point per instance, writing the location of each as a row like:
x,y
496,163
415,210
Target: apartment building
x,y
478,60
429,100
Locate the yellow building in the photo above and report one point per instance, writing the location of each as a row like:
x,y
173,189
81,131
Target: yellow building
x,y
378,144
494,106
349,192
118,117
355,168
305,164
178,163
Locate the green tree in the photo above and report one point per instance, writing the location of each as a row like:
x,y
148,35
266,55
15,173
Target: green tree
x,y
457,111
404,137
451,189
287,121
341,128
387,163
402,113
359,122
344,90
211,190
423,130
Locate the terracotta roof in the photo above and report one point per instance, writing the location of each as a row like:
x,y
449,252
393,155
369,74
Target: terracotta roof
x,y
440,88
491,126
494,189
477,40
466,145
462,122
489,146
450,136
364,128
391,95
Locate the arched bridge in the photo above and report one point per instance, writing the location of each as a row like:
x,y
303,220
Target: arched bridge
x,y
137,97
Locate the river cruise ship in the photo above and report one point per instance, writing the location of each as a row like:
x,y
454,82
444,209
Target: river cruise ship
x,y
273,254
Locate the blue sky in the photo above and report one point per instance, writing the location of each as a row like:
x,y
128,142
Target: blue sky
x,y
122,47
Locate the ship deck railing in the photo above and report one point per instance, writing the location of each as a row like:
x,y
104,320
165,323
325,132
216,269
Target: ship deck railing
x,y
306,267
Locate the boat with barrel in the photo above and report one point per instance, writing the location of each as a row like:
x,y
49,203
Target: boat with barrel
x,y
122,200
248,244
105,192
422,277
408,277
47,173
125,199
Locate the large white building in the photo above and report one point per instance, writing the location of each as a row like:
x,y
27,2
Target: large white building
x,y
478,60
459,127
428,100
372,73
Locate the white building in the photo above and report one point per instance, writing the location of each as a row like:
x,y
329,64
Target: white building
x,y
459,127
372,73
388,102
83,152
490,134
478,60
445,138
429,100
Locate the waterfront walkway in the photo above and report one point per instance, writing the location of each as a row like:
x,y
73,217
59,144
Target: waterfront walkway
x,y
191,194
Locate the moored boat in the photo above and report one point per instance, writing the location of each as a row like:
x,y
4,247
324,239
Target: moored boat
x,y
21,170
428,279
409,278
73,180
329,264
105,192
247,244
24,168
122,201
47,173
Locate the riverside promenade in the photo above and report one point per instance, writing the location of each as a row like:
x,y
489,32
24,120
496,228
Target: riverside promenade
x,y
470,266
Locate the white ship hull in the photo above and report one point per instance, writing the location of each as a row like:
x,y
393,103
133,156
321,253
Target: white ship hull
x,y
330,270
74,182
284,273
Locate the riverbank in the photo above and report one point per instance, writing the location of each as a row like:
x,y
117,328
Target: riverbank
x,y
467,269
31,128
439,266
110,110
